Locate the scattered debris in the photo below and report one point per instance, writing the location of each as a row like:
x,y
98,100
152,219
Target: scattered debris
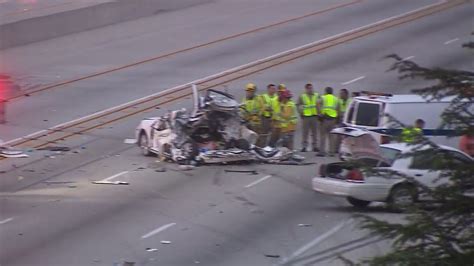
x,y
140,168
72,186
305,225
186,167
54,148
196,262
253,172
165,242
11,153
151,249
272,256
21,178
130,141
29,170
110,183
160,170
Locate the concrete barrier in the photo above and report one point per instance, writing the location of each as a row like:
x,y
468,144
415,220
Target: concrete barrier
x,y
66,22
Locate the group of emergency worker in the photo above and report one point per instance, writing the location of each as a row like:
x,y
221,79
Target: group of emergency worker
x,y
274,116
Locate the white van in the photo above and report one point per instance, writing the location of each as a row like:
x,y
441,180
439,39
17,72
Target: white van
x,y
372,112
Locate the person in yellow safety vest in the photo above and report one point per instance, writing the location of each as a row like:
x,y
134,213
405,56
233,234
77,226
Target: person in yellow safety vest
x,y
414,133
268,100
276,130
307,107
329,113
251,108
344,102
287,119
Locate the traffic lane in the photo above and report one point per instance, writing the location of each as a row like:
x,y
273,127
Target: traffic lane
x,y
171,194
338,66
131,84
167,31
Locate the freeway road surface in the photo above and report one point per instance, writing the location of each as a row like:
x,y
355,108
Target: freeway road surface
x,y
52,214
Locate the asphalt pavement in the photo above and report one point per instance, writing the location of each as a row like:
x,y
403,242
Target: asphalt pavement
x,y
52,214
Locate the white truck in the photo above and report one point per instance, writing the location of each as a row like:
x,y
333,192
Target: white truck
x,y
373,112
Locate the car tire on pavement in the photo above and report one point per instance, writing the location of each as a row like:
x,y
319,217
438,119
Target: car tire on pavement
x,y
357,202
143,143
402,196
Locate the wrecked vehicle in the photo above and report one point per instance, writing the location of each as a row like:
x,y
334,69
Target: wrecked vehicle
x,y
214,132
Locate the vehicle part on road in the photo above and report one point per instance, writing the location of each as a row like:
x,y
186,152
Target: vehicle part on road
x,y
165,242
305,225
253,172
357,202
110,182
12,153
130,141
54,148
272,256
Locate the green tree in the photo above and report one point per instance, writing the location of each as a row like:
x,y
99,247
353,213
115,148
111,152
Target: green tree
x,y
439,232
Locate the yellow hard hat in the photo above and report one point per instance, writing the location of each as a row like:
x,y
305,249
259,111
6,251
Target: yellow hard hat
x,y
250,87
281,87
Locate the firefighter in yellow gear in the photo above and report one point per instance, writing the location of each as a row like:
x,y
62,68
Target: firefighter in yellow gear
x,y
276,130
307,107
287,119
251,107
329,106
269,105
413,134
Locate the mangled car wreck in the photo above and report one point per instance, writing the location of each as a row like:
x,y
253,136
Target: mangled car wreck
x,y
214,132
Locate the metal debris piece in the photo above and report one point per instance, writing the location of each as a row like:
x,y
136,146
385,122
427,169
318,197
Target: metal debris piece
x,y
186,167
151,249
165,242
305,225
272,256
9,153
110,183
130,141
54,148
253,172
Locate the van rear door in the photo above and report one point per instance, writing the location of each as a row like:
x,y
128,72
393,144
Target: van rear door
x,y
364,113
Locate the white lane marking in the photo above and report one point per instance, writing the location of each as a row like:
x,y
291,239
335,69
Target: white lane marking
x,y
408,58
158,230
114,176
353,80
451,41
6,220
225,72
316,241
258,181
